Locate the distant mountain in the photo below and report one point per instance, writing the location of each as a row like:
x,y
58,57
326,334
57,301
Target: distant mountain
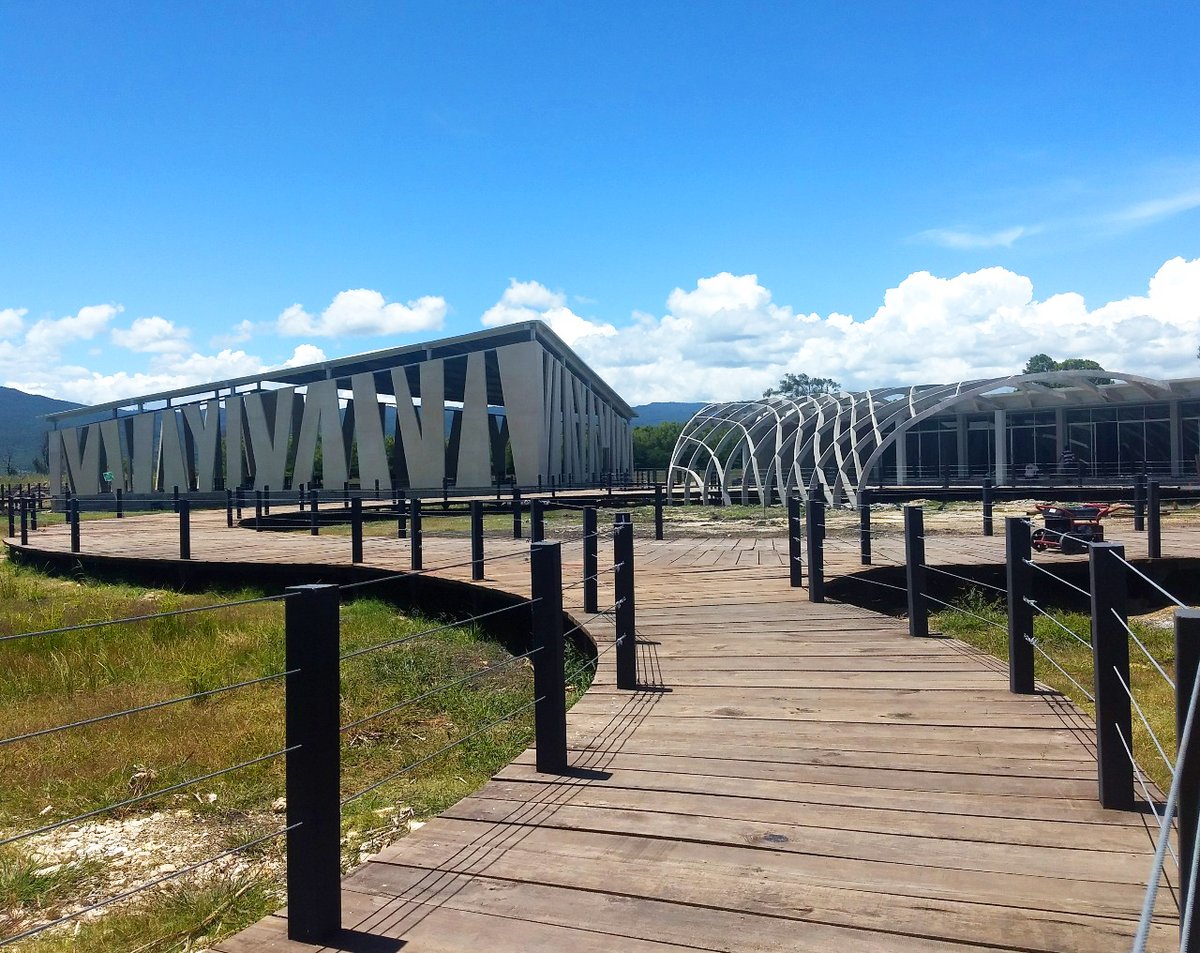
x,y
665,411
21,427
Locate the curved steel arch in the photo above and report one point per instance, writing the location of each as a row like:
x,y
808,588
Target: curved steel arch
x,y
829,443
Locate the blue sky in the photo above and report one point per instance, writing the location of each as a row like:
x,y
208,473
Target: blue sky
x,y
701,197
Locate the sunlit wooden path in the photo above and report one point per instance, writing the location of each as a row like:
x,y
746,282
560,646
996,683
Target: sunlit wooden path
x,y
792,777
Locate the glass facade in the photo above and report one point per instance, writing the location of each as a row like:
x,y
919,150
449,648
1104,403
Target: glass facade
x,y
1121,440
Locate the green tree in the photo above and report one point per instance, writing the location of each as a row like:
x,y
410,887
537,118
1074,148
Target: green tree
x,y
1041,363
801,385
652,446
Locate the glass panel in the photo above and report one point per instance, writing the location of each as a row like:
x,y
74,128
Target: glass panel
x,y
1079,416
1045,447
981,450
1131,413
1190,408
1105,446
1020,447
1104,413
1079,439
1132,439
1158,411
1158,442
1191,446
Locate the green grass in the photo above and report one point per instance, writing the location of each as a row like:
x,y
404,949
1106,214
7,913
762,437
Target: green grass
x,y
1156,698
48,680
29,885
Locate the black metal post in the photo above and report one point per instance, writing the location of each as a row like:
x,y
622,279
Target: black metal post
x,y
175,498
1020,612
814,512
33,512
537,522
120,494
24,522
12,517
185,529
1110,650
550,705
74,524
864,527
1139,502
1187,670
414,519
300,494
314,889
401,517
258,510
516,512
658,511
795,533
1153,521
237,503
229,509
476,539
988,498
914,565
345,494
266,500
356,530
626,632
591,562
314,505
445,493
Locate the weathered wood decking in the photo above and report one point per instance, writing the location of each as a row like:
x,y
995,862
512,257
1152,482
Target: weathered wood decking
x,y
793,777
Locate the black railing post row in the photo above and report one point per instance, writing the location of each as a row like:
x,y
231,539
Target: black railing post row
x,y
591,561
795,532
414,519
314,504
1110,653
1153,521
864,527
185,529
550,701
477,539
1187,767
356,530
988,499
120,495
1139,502
625,628
516,511
658,511
1020,613
537,522
312,637
915,573
258,510
74,524
814,512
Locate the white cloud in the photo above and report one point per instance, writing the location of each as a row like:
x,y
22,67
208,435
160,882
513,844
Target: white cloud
x,y
50,335
153,335
727,339
305,354
362,311
966,239
1155,209
242,332
533,301
12,321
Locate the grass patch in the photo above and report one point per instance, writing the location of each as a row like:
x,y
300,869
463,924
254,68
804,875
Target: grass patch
x,y
28,885
1153,694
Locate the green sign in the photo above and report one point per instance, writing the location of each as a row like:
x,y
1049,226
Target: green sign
x,y
108,477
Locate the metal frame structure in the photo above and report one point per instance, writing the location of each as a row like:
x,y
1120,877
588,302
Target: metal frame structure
x,y
833,444
517,389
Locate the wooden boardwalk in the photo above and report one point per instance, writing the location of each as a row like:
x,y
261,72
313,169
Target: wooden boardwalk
x,y
792,777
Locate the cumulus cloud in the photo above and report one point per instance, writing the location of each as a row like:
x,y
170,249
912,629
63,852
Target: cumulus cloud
x,y
153,335
364,312
50,335
727,339
12,322
305,354
533,301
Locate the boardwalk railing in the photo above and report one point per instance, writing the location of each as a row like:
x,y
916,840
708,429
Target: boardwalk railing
x,y
313,730
1112,693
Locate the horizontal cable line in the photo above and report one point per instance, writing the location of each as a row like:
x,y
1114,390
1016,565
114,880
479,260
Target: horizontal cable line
x,y
391,643
145,797
1071,632
955,608
571,676
874,582
974,582
1153,661
479,673
1145,721
141,708
1044,654
1138,572
145,618
1069,585
575,585
1141,779
133,891
603,613
1061,536
441,750
423,572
